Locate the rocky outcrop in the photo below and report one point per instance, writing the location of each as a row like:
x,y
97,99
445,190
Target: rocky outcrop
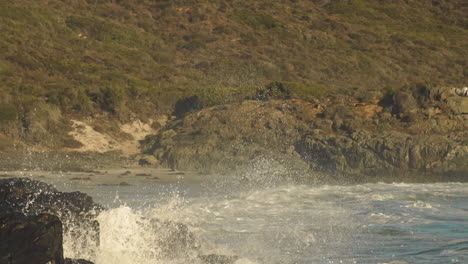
x,y
35,239
33,213
30,239
414,131
34,197
75,210
394,156
225,137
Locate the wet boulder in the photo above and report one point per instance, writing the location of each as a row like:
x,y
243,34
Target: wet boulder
x,y
34,197
30,239
76,210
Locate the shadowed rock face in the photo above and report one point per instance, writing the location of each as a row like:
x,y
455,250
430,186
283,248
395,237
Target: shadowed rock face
x,y
30,239
396,156
75,210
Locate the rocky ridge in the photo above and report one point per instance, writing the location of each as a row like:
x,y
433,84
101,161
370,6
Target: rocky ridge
x,y
415,134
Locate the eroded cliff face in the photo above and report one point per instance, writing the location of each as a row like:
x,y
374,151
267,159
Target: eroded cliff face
x,y
415,131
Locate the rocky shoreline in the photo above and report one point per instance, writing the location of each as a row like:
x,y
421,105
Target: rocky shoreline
x,y
416,134
35,218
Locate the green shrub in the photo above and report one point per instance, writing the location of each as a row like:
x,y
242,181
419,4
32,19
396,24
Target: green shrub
x,y
8,113
287,90
274,90
216,95
194,44
257,20
111,99
149,53
82,103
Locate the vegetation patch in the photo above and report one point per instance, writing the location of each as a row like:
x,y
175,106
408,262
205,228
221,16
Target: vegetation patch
x,y
128,58
8,113
288,90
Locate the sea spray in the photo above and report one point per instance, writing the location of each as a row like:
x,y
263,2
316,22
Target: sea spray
x,y
371,223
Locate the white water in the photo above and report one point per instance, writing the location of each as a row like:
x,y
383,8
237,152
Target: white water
x,y
372,223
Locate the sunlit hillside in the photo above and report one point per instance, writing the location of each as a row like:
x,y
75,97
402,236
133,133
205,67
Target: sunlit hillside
x,y
141,56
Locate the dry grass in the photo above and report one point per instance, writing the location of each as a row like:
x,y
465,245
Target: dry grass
x,y
143,56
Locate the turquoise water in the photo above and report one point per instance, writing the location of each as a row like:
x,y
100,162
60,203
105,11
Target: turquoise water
x,y
371,223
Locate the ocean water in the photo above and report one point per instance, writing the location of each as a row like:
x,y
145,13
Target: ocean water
x,y
370,223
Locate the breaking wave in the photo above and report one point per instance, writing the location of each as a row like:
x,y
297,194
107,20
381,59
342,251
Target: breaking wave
x,y
371,223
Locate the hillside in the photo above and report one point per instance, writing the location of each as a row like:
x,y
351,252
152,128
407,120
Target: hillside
x,y
64,58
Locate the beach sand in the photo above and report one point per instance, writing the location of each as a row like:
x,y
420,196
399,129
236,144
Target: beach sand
x,y
122,176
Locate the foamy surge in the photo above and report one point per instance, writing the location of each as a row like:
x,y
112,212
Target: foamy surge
x,y
373,223
260,226
130,237
134,237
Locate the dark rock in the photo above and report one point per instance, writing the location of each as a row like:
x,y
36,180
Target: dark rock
x,y
34,197
410,103
405,106
76,210
30,239
186,105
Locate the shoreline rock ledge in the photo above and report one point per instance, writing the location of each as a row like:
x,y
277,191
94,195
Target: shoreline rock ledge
x,y
34,217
